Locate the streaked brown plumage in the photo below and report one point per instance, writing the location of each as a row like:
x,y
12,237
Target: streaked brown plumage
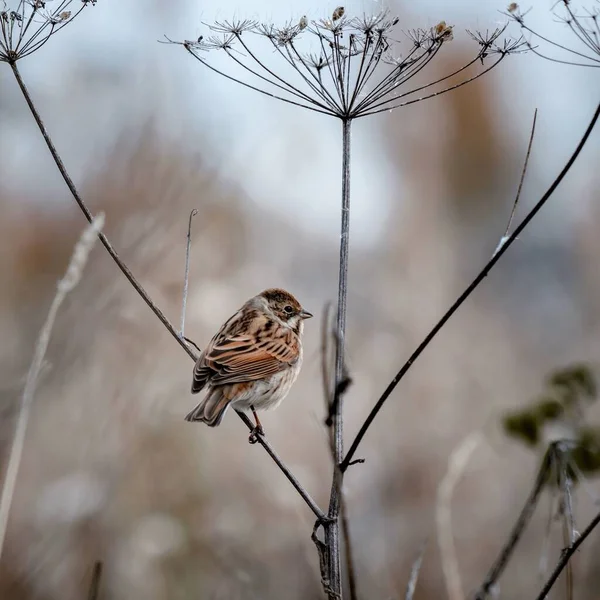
x,y
253,360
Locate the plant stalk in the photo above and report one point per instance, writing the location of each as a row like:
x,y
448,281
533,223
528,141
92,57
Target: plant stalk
x,y
142,292
332,530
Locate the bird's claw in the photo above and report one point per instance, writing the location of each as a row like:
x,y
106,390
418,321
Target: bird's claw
x,y
253,437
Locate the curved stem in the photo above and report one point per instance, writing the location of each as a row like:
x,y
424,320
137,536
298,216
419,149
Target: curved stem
x,y
88,215
517,531
566,557
142,292
458,303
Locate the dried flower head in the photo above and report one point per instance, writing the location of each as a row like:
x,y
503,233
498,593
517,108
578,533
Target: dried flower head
x,y
443,31
30,23
338,13
340,66
585,28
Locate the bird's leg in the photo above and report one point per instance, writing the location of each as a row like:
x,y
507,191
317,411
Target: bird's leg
x,y
258,429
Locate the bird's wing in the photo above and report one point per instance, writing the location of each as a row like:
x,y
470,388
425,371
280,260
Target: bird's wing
x,y
246,349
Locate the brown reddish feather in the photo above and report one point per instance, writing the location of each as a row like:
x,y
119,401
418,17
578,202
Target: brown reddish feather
x,y
248,347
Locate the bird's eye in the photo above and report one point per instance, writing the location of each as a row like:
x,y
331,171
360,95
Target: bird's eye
x,y
288,309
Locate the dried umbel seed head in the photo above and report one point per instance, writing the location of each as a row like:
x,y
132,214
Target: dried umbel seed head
x,y
585,29
339,66
32,23
444,31
338,13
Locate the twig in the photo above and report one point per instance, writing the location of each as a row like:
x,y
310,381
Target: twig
x,y
95,582
88,215
566,507
458,303
515,535
543,565
66,285
271,452
457,464
186,277
566,556
414,573
325,355
129,275
330,407
523,173
340,389
349,550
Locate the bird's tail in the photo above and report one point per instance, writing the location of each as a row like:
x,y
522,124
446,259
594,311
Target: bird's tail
x,y
211,409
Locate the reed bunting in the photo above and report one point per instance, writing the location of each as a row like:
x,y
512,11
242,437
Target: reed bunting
x,y
253,360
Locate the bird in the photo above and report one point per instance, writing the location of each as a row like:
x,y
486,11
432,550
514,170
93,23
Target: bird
x,y
252,361
303,23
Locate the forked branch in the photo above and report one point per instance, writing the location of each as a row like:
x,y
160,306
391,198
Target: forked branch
x,y
468,291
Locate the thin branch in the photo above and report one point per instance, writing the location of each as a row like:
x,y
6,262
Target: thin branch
x,y
373,110
349,550
271,452
142,292
566,506
566,557
88,215
186,276
414,573
523,173
329,403
460,300
66,285
94,592
325,354
543,564
500,563
252,87
457,463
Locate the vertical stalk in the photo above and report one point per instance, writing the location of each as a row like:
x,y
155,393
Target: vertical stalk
x,y
332,530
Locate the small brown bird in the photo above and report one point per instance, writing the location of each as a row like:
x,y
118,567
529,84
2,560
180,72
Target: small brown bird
x,y
253,360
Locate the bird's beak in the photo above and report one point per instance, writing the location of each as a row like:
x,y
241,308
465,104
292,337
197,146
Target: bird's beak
x,y
304,314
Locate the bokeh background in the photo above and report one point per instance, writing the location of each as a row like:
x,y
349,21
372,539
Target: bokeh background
x,y
175,510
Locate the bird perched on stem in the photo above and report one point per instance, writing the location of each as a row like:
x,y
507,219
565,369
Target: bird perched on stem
x,y
253,360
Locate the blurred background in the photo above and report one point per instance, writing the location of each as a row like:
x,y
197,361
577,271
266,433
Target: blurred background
x,y
175,510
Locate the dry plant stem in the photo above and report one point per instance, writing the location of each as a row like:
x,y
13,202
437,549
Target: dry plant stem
x,y
348,549
414,574
94,592
66,285
518,196
88,215
332,398
500,563
269,449
457,464
458,303
186,277
566,556
566,504
138,287
332,529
